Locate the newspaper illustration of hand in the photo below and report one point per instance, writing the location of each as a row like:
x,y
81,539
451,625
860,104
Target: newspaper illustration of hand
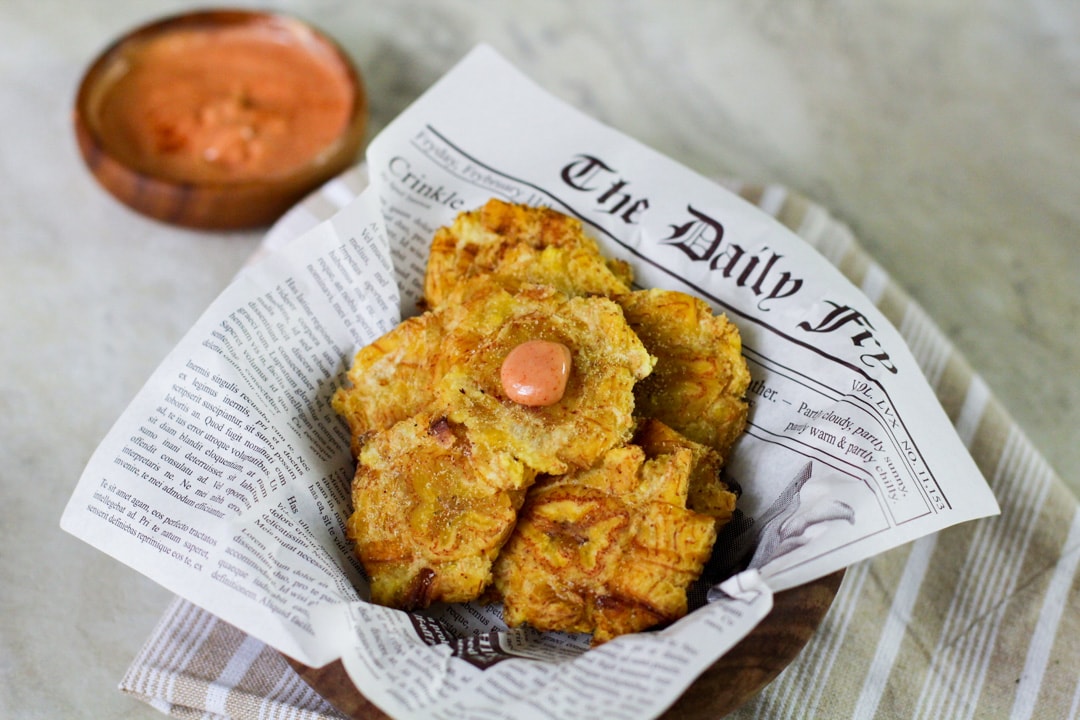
x,y
783,528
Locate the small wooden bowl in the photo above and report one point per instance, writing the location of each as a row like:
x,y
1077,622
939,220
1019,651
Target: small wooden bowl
x,y
730,682
122,164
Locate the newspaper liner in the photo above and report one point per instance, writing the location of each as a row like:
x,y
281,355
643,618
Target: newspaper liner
x,y
226,480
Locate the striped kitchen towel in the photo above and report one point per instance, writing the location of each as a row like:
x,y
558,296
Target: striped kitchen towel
x,y
980,620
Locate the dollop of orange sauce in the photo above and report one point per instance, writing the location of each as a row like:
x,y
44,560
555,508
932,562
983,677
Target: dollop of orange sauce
x,y
224,104
535,372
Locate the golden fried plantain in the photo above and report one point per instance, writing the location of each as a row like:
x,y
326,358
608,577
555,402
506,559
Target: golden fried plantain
x,y
447,362
519,245
427,522
699,384
431,511
394,377
597,406
391,379
608,550
708,494
630,499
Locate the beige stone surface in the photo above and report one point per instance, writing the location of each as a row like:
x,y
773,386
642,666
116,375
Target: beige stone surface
x,y
947,136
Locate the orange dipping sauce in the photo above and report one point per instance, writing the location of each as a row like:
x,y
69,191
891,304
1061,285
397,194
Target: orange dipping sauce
x,y
224,104
535,372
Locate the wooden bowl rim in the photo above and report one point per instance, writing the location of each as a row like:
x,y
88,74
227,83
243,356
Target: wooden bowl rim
x,y
292,185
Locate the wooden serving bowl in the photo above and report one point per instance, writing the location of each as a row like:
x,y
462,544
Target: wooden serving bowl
x,y
217,203
726,685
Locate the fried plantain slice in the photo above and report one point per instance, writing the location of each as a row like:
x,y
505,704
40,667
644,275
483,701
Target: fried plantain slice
x,y
707,494
597,406
614,533
699,384
394,377
431,511
609,550
519,245
391,379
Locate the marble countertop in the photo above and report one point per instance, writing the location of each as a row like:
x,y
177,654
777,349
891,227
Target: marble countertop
x,y
946,137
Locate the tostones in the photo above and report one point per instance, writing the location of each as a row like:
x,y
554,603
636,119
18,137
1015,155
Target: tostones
x,y
391,379
596,411
519,245
394,377
535,359
707,493
432,510
698,386
445,457
608,550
